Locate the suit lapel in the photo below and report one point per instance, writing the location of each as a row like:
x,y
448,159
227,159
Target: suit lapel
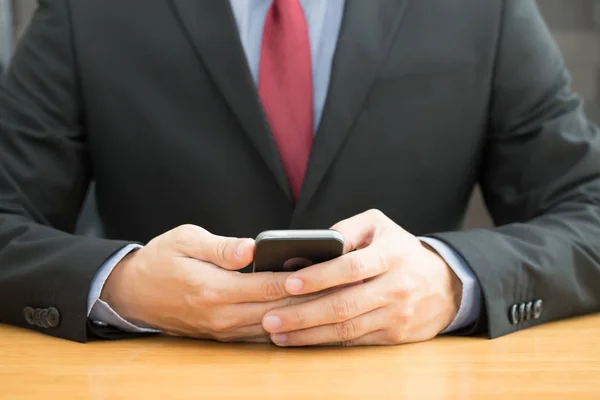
x,y
367,31
212,30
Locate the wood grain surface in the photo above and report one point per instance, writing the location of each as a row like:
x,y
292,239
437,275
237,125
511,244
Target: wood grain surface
x,y
554,361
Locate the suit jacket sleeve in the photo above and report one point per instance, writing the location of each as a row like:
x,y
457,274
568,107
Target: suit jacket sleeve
x,y
540,178
44,175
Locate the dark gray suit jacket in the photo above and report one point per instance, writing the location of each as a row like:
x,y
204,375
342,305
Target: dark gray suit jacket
x,y
154,100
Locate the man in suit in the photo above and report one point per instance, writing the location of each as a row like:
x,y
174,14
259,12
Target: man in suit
x,y
204,123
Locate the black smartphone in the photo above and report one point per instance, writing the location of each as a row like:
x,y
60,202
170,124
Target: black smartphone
x,y
291,250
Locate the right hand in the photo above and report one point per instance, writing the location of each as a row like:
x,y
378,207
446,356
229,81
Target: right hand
x,y
185,282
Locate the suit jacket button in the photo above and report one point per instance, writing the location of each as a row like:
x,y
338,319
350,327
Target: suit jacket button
x,y
44,319
537,309
37,317
53,318
529,311
522,312
514,314
28,313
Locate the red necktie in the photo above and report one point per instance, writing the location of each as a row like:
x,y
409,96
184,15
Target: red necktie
x,y
285,87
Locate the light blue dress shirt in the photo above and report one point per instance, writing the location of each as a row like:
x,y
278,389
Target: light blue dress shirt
x,y
324,22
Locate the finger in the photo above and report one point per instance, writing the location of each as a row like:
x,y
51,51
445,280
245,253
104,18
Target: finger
x,y
377,338
347,269
343,332
333,308
260,339
358,231
251,334
253,313
260,287
254,333
195,242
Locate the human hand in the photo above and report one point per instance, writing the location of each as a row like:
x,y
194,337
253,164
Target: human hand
x,y
185,282
408,293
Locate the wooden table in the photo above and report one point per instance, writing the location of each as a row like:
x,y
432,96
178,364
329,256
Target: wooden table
x,y
555,361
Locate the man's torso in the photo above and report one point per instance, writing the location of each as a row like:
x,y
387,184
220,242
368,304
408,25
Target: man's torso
x,y
177,135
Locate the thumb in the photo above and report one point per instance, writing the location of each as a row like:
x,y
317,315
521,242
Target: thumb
x,y
229,253
225,252
360,230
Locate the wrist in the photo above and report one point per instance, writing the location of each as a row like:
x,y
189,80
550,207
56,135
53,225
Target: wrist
x,y
451,285
455,290
116,291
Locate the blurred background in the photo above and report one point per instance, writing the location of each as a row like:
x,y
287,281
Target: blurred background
x,y
574,23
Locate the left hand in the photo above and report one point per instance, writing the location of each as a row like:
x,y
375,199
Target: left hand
x,y
394,290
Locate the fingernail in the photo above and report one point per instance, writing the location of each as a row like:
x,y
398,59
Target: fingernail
x,y
294,285
241,248
271,323
279,339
